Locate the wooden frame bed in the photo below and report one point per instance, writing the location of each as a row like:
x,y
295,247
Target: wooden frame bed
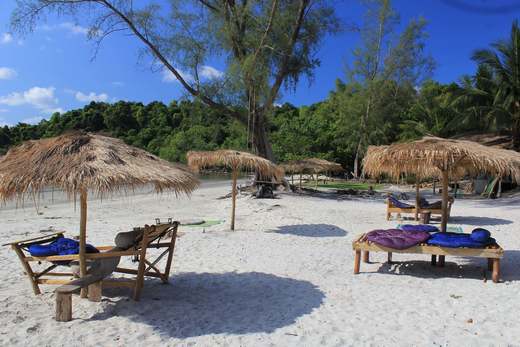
x,y
391,208
493,253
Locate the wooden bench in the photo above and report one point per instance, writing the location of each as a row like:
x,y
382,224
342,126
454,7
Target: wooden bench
x,y
493,253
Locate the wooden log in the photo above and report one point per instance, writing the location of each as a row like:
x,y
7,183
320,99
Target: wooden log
x,y
63,307
95,291
496,270
357,260
366,257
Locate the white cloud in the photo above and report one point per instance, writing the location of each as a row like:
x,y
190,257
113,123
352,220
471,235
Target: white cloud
x,y
7,73
102,97
32,120
168,76
73,28
40,98
6,38
210,73
206,73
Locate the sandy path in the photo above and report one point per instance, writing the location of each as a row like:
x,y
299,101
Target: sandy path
x,y
284,278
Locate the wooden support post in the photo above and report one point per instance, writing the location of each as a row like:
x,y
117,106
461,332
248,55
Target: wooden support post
x,y
170,254
141,268
28,270
490,264
234,197
442,260
83,238
417,199
389,259
444,220
94,291
63,307
366,256
357,260
434,260
496,270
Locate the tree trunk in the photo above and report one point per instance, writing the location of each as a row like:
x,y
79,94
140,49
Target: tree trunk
x,y
515,131
362,137
260,139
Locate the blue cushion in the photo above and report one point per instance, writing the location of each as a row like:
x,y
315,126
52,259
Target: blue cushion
x,y
455,240
420,227
399,204
480,235
61,246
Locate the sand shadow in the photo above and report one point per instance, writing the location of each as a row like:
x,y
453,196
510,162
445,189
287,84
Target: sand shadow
x,y
197,304
311,230
479,220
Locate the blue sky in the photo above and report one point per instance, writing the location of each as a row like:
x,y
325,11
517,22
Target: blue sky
x,y
52,69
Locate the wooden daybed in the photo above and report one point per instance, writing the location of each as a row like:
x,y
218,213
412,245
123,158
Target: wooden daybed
x,y
161,236
493,253
391,208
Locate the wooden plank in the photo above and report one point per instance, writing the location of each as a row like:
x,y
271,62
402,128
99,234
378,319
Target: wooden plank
x,y
141,268
63,307
33,239
83,239
51,281
135,272
366,257
87,256
426,249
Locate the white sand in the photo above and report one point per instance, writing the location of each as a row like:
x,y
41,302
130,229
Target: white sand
x,y
284,278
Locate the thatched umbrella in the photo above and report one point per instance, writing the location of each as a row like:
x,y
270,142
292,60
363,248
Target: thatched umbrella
x,y
80,163
236,161
438,157
311,165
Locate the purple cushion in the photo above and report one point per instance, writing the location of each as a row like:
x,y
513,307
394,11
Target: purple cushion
x,y
398,239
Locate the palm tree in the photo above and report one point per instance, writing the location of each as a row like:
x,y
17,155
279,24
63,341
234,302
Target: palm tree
x,y
503,59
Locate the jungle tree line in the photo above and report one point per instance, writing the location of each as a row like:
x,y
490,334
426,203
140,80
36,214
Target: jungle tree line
x,y
385,96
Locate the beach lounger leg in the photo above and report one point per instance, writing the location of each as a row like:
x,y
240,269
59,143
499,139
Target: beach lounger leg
x,y
389,258
170,255
28,270
63,307
434,260
496,270
357,260
388,216
366,256
94,291
490,264
441,260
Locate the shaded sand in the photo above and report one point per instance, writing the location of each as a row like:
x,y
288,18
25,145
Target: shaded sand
x,y
284,278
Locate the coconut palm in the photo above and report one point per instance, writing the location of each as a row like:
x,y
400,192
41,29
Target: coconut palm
x,y
503,59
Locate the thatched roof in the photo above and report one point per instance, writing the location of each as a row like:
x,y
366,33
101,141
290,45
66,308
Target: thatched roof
x,y
430,155
311,165
235,160
100,164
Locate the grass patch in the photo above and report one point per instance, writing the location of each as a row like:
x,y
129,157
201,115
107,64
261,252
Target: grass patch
x,y
345,185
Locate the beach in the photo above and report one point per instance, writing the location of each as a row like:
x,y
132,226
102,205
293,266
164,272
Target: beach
x,y
283,278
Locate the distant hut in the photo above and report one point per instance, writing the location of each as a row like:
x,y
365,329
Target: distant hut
x,y
312,166
236,161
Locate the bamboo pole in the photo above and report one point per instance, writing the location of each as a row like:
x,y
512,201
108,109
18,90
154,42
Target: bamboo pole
x,y
417,199
233,197
83,238
444,221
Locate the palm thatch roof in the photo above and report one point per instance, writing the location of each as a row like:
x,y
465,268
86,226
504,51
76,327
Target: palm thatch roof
x,y
430,156
235,160
311,165
84,161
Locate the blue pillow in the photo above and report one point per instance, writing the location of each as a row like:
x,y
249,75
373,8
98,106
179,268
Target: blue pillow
x,y
455,240
480,235
61,246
